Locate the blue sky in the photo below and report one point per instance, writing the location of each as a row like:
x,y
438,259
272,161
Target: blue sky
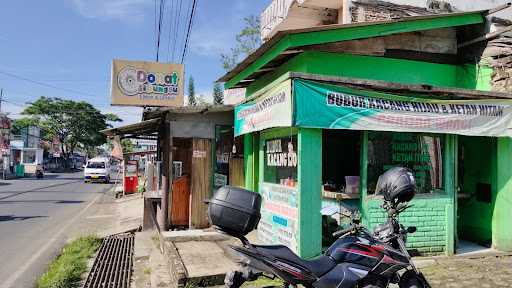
x,y
70,44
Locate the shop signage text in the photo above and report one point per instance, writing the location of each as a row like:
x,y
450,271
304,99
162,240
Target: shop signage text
x,y
345,108
273,109
138,83
277,156
279,215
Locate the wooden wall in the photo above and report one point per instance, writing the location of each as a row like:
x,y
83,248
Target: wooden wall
x,y
236,172
200,182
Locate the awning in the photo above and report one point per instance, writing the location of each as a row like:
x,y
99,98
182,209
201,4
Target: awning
x,y
314,101
143,128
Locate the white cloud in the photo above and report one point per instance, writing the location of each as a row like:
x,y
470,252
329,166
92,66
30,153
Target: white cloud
x,y
210,41
130,10
130,115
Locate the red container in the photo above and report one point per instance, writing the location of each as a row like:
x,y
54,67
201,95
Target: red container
x,y
131,184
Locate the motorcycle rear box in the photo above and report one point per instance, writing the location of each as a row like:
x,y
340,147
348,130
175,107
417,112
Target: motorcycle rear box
x,y
234,210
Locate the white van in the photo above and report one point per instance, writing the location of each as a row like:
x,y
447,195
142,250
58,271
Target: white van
x,y
97,169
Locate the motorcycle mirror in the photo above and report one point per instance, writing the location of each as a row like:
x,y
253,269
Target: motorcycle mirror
x,y
411,229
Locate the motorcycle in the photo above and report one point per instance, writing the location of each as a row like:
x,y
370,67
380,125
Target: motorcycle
x,y
39,171
358,258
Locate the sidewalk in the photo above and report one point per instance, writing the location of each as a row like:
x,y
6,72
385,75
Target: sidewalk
x,y
484,270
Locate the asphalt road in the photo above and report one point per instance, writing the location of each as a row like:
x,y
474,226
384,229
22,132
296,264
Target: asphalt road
x,y
37,217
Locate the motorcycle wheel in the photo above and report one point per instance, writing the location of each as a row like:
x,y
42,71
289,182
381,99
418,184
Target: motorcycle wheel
x,y
234,279
412,280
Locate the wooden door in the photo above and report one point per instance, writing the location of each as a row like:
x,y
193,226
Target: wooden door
x,y
180,201
236,172
201,179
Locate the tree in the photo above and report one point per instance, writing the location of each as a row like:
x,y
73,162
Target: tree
x,y
218,95
191,92
75,124
127,145
247,40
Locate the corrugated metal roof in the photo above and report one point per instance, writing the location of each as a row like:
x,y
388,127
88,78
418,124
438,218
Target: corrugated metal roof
x,y
142,128
200,109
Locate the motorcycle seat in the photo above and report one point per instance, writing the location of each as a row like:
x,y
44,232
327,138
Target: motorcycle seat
x,y
318,266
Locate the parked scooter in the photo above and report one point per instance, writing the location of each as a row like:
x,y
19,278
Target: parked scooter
x,y
358,258
39,171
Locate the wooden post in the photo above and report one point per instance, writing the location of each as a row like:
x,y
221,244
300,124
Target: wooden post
x,y
166,150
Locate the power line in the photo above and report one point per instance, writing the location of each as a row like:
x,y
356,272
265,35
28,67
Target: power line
x,y
171,29
45,84
190,23
160,17
178,18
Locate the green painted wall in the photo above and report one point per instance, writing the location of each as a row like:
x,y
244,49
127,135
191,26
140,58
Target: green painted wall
x,y
501,221
309,185
251,156
429,215
367,67
432,214
475,169
310,195
474,76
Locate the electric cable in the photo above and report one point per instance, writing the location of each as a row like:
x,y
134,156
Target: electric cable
x,y
174,44
190,23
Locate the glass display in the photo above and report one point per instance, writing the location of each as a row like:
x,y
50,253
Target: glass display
x,y
423,153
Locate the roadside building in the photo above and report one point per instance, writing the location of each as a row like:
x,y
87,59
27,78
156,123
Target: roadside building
x,y
197,145
329,108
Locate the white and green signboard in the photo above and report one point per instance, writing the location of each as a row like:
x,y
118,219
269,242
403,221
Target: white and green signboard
x,y
279,215
319,105
272,109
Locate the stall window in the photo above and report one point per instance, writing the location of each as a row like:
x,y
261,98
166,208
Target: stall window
x,y
29,156
423,153
281,161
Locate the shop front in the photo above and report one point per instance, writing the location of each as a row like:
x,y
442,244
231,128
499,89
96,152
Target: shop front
x,y
313,144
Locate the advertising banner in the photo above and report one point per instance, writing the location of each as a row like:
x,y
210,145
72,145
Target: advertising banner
x,y
138,83
272,109
321,105
279,215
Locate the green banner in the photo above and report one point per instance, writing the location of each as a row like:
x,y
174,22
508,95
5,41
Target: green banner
x,y
319,105
272,109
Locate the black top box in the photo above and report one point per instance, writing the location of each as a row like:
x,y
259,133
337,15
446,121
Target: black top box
x,y
234,210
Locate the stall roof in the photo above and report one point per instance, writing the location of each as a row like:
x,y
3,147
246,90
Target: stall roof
x,y
147,127
287,43
200,109
398,88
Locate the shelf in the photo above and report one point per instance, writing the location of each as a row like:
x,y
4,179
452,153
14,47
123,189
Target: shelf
x,y
339,195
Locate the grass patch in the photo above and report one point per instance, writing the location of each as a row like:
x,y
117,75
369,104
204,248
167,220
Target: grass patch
x,y
65,270
265,282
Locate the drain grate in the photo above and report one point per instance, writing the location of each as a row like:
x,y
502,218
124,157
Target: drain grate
x,y
113,265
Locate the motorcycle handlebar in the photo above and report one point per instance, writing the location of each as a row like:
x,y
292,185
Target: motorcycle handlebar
x,y
344,231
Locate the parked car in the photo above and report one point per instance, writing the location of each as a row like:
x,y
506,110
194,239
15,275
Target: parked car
x,y
97,170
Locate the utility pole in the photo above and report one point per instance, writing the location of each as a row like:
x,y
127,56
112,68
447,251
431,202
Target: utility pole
x,y
1,98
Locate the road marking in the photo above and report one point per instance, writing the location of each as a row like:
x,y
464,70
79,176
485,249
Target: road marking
x,y
38,254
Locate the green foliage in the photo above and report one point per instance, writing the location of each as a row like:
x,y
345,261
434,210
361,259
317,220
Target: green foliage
x,y
65,271
247,40
75,124
127,145
191,92
19,124
218,95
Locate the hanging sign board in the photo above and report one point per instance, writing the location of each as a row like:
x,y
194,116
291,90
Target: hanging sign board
x,y
345,108
272,109
279,216
138,83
